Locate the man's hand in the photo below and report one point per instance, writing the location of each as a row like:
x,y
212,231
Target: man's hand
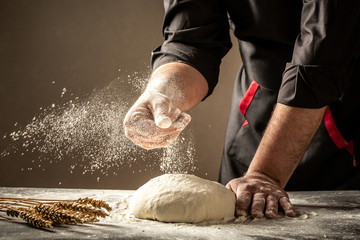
x,y
152,122
260,196
158,116
285,140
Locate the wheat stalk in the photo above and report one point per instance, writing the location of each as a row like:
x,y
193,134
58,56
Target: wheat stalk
x,y
94,203
30,216
45,213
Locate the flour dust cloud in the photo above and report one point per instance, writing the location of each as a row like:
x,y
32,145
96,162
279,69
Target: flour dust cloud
x,y
89,131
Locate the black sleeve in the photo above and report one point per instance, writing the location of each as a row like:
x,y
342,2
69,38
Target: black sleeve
x,y
196,32
328,44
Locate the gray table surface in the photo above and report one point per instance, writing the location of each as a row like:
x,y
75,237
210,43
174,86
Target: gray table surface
x,y
320,215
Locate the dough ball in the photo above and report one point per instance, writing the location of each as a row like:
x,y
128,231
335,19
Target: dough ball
x,y
183,198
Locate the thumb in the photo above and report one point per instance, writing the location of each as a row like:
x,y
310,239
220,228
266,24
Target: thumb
x,y
163,121
161,115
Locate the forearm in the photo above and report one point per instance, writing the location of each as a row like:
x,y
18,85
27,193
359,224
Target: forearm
x,y
288,135
182,83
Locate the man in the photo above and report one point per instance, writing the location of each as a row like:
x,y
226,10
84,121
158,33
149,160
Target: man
x,y
295,109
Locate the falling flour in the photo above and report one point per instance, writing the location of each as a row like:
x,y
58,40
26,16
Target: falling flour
x,y
90,132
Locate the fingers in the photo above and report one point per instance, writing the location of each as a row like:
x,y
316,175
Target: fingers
x,y
160,109
287,207
165,119
259,198
243,201
143,131
258,205
158,143
152,122
182,121
271,207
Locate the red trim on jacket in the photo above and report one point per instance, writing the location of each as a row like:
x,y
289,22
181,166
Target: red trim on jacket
x,y
248,97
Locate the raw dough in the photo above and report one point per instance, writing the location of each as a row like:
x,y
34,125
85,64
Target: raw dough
x,y
183,198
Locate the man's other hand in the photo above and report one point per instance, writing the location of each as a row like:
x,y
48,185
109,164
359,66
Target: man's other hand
x,y
260,196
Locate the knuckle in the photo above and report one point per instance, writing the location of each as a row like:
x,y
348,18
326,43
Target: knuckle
x,y
126,122
259,195
271,210
259,200
256,209
279,192
244,195
271,198
249,188
242,200
127,133
169,140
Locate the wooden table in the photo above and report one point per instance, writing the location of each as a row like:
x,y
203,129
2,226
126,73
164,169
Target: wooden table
x,y
321,215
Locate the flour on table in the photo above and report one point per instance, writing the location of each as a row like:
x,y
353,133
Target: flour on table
x,y
183,198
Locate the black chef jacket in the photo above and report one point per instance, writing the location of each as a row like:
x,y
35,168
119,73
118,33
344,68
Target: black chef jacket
x,y
298,53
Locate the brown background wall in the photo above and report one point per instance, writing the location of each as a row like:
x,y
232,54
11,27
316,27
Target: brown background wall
x,y
80,45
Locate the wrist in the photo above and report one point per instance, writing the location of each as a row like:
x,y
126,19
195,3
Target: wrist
x,y
264,177
183,84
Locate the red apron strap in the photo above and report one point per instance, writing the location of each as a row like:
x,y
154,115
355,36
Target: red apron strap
x,y
248,97
336,136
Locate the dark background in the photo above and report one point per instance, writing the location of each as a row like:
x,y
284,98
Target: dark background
x,y
80,45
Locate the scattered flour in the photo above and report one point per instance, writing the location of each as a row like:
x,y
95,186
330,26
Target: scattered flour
x,y
89,132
